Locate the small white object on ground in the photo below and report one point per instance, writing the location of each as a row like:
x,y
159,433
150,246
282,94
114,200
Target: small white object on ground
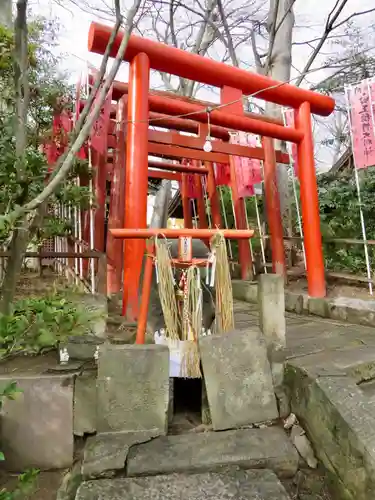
x,y
290,421
64,356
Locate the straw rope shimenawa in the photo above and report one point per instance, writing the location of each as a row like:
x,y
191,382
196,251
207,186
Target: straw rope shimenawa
x,y
224,292
192,324
166,287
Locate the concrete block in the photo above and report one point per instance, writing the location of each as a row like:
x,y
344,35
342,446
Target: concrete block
x,y
294,302
85,403
225,485
205,407
340,422
83,347
357,311
268,448
171,400
245,290
105,454
318,307
271,301
37,427
238,379
133,388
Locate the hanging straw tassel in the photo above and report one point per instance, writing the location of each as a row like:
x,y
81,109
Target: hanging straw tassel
x,y
166,289
223,281
192,324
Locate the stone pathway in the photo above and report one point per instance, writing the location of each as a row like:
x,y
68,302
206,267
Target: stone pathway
x,y
320,341
331,377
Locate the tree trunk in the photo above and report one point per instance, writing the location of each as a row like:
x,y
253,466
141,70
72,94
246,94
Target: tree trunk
x,y
17,247
20,236
160,213
280,27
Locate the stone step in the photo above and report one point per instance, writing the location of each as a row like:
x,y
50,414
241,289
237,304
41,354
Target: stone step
x,y
231,484
143,454
267,448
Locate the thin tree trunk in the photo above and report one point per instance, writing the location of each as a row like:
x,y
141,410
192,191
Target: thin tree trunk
x,y
20,236
279,63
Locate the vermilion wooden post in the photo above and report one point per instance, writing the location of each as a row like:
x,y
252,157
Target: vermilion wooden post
x,y
100,181
273,207
116,206
310,204
234,96
213,196
186,205
201,206
145,297
136,179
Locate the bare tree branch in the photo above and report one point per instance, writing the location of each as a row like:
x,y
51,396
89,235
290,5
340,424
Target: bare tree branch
x,y
68,158
272,32
231,49
333,15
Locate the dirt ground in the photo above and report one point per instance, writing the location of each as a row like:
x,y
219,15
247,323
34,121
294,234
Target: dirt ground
x,y
46,485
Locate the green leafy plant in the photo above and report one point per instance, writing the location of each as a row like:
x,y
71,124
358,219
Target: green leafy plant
x,y
39,323
340,218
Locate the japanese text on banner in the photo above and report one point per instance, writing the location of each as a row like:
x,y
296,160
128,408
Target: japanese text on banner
x,y
362,125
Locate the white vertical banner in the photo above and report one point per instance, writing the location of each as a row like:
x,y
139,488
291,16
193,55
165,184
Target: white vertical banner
x,y
362,134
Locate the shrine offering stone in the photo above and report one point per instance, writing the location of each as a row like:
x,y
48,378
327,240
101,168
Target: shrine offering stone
x,y
238,379
133,388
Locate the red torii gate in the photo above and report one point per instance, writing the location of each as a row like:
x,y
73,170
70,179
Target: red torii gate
x,y
144,55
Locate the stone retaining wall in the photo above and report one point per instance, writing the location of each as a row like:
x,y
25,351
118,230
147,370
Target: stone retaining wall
x,y
352,310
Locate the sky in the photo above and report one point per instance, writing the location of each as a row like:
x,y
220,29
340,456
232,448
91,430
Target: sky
x,y
310,18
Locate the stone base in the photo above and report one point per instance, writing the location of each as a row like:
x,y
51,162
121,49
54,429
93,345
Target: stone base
x,y
268,448
133,388
85,403
238,379
340,421
233,484
37,427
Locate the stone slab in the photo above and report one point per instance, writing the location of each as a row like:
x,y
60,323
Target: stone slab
x,y
83,347
133,388
241,485
357,362
238,379
245,290
85,403
105,454
346,309
271,301
37,427
267,448
340,422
